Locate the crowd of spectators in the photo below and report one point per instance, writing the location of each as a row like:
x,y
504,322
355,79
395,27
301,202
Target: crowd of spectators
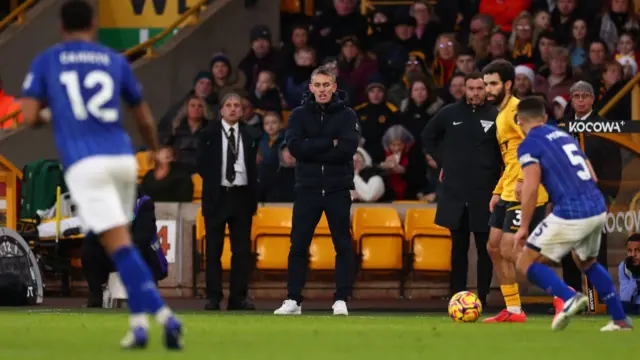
x,y
397,66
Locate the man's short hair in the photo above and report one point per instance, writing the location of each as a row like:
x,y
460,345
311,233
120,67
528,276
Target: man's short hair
x,y
229,96
474,75
581,86
503,68
324,70
531,107
76,15
634,238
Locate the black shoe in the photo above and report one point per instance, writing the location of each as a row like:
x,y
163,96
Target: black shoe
x,y
212,305
245,305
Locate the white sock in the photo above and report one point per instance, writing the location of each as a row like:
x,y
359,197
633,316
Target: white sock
x,y
163,315
139,320
514,309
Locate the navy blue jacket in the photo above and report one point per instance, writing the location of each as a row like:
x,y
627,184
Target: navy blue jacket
x,y
322,167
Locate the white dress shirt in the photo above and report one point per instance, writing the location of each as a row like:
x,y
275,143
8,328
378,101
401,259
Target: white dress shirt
x,y
584,117
241,169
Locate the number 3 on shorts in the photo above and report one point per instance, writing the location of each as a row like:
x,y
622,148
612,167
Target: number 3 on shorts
x,y
516,220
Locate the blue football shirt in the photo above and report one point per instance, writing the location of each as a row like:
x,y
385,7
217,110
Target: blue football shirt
x,y
82,83
565,173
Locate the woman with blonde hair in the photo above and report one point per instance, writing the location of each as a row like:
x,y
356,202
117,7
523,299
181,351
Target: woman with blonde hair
x,y
186,126
522,39
444,59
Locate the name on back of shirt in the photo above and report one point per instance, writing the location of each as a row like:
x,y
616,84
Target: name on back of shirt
x,y
84,57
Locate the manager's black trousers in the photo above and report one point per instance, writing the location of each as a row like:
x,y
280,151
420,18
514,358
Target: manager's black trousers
x,y
460,240
307,211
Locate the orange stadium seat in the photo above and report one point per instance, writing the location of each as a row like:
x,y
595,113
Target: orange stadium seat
x,y
144,163
202,244
197,187
380,238
272,233
322,255
430,243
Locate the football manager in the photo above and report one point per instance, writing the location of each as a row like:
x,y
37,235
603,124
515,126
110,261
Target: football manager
x,y
322,135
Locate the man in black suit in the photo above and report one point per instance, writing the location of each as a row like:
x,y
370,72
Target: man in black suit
x,y
226,162
461,138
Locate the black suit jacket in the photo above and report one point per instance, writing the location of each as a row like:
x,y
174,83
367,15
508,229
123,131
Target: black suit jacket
x,y
209,165
606,160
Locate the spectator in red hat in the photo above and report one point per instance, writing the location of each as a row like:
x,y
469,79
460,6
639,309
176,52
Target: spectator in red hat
x,y
525,78
559,105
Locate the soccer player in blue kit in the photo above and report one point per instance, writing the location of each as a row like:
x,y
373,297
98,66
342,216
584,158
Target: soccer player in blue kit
x,y
82,82
551,157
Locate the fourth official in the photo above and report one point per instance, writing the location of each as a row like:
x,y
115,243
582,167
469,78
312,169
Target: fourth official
x,y
471,166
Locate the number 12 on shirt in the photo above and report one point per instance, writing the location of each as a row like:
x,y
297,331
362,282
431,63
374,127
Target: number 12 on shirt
x,y
95,105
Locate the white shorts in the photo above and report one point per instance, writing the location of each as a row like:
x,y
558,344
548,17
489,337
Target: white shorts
x,y
104,189
555,237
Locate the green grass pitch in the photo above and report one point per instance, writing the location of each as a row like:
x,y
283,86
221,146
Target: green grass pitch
x,y
70,335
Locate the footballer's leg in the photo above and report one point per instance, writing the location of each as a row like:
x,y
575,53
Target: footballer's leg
x,y
586,255
146,292
504,263
552,239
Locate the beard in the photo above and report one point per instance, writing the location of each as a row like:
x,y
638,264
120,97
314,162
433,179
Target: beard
x,y
498,98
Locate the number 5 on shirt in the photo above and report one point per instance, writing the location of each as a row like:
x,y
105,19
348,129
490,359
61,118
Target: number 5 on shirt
x,y
577,160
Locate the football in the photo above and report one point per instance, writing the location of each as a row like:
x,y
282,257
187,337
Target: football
x,y
465,307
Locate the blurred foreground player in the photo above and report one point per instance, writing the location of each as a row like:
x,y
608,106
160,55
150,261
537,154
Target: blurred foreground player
x,y
552,157
82,83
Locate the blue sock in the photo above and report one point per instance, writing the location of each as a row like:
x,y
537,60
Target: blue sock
x,y
547,280
143,296
601,279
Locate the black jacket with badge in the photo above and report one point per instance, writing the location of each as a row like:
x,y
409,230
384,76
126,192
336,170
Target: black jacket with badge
x,y
322,167
465,138
375,119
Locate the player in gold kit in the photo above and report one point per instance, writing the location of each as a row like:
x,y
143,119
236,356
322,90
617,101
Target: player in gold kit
x,y
505,207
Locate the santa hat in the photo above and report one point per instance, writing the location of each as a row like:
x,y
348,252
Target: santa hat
x,y
365,156
526,71
563,101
